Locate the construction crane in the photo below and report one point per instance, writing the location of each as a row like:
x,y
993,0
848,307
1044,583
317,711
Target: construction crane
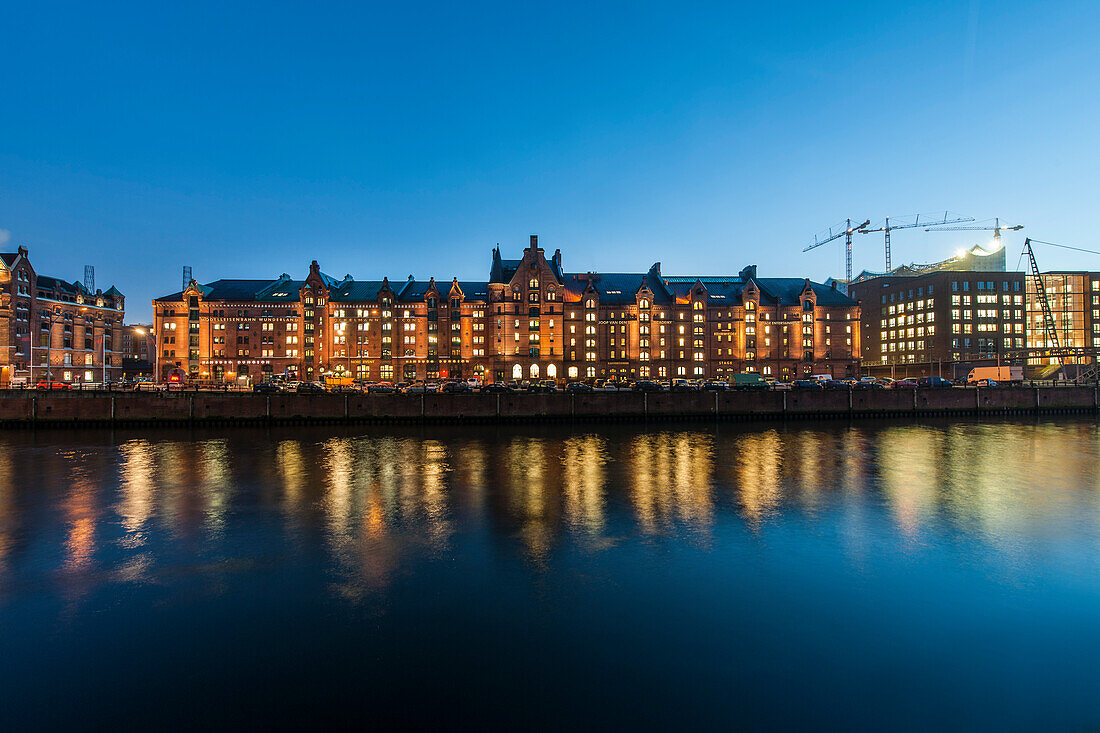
x,y
835,232
996,229
887,227
1049,327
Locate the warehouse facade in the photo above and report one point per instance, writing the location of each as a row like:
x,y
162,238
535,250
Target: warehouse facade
x,y
530,320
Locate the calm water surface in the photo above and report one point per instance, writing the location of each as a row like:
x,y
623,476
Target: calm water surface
x,y
942,576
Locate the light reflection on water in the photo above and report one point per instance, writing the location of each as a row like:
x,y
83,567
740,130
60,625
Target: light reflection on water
x,y
362,517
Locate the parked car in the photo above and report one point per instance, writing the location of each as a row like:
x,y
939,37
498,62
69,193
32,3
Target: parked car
x,y
310,388
934,382
346,389
645,385
454,387
682,385
547,386
497,388
985,383
835,384
380,388
904,384
578,387
806,384
54,385
265,388
715,385
779,386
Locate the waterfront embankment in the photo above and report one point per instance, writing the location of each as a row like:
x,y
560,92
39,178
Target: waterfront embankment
x,y
100,408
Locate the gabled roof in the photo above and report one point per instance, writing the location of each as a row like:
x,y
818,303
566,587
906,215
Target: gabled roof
x,y
9,258
45,282
356,290
474,289
502,271
614,288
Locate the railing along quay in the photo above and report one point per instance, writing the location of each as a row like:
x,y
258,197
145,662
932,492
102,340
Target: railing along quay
x,y
81,408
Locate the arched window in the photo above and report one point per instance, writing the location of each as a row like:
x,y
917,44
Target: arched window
x,y
750,305
534,371
697,305
517,372
643,303
533,283
551,371
590,303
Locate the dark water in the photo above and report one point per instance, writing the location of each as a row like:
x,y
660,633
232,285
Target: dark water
x,y
928,577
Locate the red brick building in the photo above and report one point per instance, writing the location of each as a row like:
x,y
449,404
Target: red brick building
x,y
50,326
531,319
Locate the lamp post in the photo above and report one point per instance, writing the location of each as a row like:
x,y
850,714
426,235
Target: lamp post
x,y
141,332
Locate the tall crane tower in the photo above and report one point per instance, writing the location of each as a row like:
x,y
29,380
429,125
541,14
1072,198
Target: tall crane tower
x,y
1049,327
844,229
996,229
887,227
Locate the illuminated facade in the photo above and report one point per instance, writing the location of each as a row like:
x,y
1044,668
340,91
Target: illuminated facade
x,y
529,320
943,316
1074,299
50,326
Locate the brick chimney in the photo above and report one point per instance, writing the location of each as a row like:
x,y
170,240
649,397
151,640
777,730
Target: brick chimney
x,y
534,241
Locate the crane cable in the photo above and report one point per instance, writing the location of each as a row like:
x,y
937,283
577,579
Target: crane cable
x,y
1054,244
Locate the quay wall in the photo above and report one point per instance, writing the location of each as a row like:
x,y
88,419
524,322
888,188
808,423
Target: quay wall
x,y
92,408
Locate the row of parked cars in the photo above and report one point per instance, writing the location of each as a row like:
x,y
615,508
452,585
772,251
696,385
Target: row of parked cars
x,y
742,382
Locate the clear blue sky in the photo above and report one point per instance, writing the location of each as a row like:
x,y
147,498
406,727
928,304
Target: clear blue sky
x,y
412,137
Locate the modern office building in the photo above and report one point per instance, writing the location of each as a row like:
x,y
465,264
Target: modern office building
x,y
1074,299
922,322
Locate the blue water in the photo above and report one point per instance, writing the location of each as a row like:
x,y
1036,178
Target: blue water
x,y
941,576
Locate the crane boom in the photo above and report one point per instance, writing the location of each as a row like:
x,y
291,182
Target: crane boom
x,y
976,229
836,232
888,227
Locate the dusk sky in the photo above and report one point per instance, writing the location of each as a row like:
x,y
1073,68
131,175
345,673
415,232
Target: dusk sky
x,y
406,139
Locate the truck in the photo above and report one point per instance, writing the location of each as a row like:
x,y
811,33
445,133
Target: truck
x,y
749,380
999,374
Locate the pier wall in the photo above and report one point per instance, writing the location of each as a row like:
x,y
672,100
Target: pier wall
x,y
80,408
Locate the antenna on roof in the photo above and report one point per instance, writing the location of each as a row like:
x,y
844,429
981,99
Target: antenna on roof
x,y
89,278
186,276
